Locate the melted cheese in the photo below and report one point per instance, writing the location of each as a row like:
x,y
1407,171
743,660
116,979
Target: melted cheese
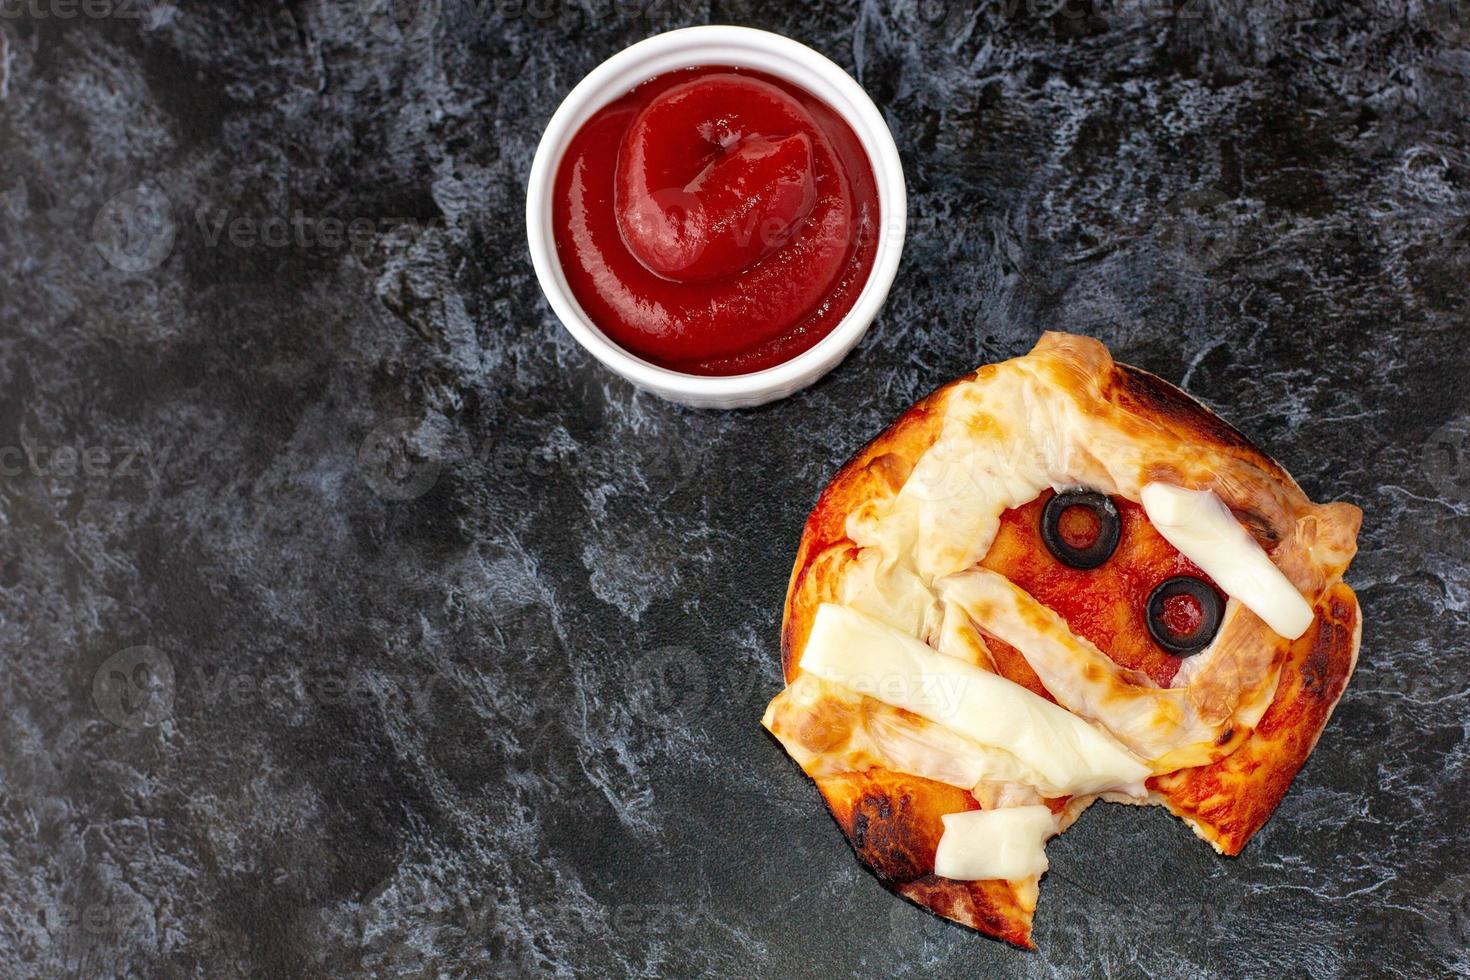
x,y
984,845
1149,720
946,514
890,593
1000,439
872,658
829,729
1205,532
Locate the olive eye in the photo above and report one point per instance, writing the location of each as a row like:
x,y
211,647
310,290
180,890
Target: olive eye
x,y
1183,614
1080,528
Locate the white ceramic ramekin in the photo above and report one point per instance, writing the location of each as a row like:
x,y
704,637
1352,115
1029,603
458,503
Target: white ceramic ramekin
x,y
747,48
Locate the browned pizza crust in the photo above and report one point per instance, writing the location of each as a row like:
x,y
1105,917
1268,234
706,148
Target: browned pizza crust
x,y
1227,802
892,819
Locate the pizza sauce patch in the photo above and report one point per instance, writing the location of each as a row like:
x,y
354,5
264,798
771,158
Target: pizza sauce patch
x,y
1108,605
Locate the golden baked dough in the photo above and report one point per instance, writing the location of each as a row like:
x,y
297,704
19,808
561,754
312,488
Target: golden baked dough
x,y
924,530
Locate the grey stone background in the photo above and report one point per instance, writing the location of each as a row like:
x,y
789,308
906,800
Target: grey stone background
x,y
354,621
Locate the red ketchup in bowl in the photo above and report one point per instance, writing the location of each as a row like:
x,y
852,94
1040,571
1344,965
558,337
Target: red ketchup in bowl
x,y
716,220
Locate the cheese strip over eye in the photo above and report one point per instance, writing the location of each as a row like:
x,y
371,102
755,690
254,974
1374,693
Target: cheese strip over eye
x,y
1155,723
986,845
1205,532
873,658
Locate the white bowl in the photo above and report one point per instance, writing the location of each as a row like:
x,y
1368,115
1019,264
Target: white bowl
x,y
747,48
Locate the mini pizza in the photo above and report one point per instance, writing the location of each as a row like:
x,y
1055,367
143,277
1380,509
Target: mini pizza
x,y
1056,580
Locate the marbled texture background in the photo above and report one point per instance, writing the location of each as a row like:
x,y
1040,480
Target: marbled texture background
x,y
354,620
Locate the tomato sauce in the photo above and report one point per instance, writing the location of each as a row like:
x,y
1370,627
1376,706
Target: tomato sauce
x,y
716,220
1107,605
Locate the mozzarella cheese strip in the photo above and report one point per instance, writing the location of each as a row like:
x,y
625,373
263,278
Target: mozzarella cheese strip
x,y
1205,532
1149,720
829,729
875,659
947,513
985,845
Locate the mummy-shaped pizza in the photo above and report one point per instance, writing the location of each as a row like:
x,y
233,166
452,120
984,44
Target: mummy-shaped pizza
x,y
1056,580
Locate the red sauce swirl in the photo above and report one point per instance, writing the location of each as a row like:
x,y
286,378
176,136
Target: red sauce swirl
x,y
716,220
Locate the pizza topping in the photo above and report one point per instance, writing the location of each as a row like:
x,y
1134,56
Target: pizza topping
x,y
829,728
1067,755
1078,527
1204,530
1162,725
985,845
1184,614
1081,528
1108,604
943,577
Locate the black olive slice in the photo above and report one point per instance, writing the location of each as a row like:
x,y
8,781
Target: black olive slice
x,y
1169,634
1109,526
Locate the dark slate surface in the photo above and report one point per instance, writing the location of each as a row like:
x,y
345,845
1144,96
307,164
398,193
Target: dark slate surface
x,y
343,597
